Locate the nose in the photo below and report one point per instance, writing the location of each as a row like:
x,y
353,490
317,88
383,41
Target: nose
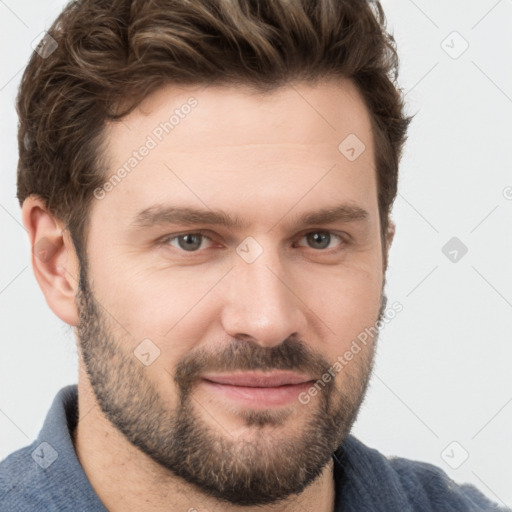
x,y
262,302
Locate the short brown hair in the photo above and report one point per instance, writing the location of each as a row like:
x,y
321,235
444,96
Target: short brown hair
x,y
111,54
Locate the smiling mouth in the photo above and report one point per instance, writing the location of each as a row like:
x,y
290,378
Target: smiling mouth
x,y
258,390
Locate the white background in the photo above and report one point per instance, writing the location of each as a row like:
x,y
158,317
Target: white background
x,y
443,366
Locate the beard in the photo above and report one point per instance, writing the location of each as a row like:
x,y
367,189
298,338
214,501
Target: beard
x,y
267,464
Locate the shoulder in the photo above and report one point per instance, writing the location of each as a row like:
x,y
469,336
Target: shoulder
x,y
429,484
20,485
388,483
46,475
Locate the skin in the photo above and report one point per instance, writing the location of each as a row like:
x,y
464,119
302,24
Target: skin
x,y
267,159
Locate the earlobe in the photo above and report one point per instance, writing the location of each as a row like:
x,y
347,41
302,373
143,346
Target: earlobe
x,y
54,260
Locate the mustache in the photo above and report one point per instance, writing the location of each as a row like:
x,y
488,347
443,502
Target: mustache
x,y
293,354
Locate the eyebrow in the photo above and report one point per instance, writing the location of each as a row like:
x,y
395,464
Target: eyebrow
x,y
158,215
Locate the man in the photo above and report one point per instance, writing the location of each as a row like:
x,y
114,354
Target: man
x,y
207,188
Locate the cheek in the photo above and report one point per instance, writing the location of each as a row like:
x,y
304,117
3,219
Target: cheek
x,y
350,307
348,303
168,306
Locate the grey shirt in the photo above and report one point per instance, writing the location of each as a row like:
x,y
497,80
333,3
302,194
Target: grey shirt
x,y
47,476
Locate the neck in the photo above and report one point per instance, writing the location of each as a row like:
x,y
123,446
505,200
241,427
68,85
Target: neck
x,y
126,479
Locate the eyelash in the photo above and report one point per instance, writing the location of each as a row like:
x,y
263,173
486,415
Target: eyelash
x,y
167,239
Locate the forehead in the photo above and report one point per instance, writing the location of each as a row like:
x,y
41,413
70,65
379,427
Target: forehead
x,y
297,113
232,146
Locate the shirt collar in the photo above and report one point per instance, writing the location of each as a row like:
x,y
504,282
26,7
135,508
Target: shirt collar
x,y
55,453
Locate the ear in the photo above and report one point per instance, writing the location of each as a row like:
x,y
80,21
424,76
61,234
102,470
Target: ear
x,y
54,259
390,234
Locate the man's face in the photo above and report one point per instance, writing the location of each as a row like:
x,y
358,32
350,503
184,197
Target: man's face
x,y
163,306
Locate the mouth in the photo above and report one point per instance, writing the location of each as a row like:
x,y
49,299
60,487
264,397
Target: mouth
x,y
256,389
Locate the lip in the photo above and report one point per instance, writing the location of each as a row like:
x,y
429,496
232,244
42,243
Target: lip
x,y
257,390
259,379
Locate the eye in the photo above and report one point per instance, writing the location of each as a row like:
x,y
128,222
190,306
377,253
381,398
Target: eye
x,y
196,241
190,242
321,239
